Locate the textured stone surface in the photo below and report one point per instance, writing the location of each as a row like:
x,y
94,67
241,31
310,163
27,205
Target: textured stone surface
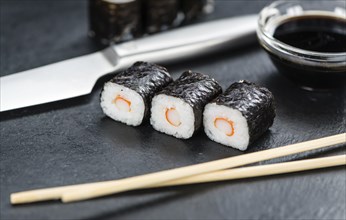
x,y
73,142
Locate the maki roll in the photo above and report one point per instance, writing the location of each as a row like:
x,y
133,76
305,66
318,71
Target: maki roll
x,y
114,20
177,109
127,97
240,115
194,8
160,15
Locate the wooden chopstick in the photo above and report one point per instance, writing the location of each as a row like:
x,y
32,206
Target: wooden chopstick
x,y
222,175
169,175
109,187
256,171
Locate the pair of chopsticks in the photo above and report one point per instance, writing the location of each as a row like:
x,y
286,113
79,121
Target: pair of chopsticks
x,y
200,173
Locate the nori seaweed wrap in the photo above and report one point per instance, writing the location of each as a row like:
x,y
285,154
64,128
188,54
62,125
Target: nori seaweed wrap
x,y
114,20
127,97
160,15
240,115
194,8
177,109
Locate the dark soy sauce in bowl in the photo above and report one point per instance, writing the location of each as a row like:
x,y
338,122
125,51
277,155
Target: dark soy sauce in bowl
x,y
309,48
314,33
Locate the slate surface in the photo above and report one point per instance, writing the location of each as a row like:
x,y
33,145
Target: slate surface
x,y
73,142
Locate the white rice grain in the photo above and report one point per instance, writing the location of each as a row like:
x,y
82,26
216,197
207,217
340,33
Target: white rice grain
x,y
159,106
240,138
133,117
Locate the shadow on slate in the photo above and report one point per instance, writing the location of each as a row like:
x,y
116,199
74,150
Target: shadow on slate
x,y
170,194
174,193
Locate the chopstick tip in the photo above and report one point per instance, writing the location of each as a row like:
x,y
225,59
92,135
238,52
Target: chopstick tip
x,y
14,199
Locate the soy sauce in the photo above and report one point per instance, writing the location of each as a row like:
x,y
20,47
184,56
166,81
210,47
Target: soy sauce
x,y
316,33
313,33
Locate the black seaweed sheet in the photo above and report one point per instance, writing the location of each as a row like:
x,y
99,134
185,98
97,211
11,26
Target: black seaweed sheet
x,y
146,79
254,102
196,89
193,8
160,15
114,22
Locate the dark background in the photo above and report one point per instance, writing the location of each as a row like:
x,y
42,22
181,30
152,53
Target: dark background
x,y
71,141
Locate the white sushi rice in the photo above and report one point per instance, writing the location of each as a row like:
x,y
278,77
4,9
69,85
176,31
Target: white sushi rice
x,y
240,138
110,92
159,106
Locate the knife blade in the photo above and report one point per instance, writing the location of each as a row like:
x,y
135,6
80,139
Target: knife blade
x,y
77,76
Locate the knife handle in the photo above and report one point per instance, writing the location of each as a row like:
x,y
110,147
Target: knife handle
x,y
188,41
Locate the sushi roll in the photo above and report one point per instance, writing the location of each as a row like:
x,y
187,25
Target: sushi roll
x,y
177,109
192,9
127,97
113,21
160,15
240,115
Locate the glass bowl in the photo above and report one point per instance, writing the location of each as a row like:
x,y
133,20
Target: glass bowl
x,y
311,69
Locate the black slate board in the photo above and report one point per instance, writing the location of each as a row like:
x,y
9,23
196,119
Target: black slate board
x,y
73,142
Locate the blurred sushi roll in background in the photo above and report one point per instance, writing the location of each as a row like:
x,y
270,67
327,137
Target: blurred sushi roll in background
x,y
177,109
240,115
160,15
114,20
127,97
192,9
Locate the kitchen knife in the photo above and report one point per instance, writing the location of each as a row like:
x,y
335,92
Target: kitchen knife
x,y
77,76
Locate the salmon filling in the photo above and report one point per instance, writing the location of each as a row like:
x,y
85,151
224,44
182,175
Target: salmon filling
x,y
173,117
122,104
224,125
